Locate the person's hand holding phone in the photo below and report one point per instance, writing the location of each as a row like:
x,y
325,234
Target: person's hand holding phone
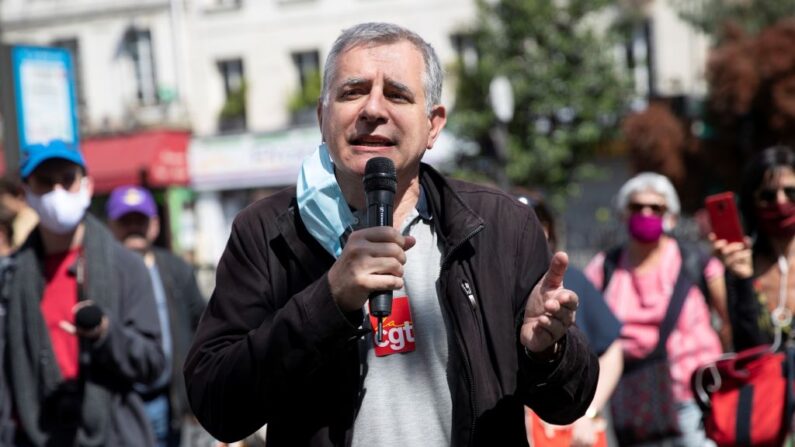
x,y
736,256
729,242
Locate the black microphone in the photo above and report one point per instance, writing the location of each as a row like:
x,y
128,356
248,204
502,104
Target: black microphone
x,y
380,184
88,317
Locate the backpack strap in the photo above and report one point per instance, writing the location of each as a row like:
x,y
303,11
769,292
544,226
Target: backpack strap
x,y
694,260
681,290
612,256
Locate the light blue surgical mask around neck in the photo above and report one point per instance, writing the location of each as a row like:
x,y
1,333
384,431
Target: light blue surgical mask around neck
x,y
322,206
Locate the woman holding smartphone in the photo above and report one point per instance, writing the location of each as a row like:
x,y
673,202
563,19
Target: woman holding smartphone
x,y
760,277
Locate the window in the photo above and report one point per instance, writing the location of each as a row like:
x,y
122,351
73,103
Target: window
x,y
73,46
232,74
304,99
307,63
233,113
138,43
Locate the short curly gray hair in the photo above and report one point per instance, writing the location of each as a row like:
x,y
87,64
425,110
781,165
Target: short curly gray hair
x,y
649,181
386,33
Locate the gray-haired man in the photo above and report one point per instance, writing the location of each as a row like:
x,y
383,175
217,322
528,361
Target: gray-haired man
x,y
480,325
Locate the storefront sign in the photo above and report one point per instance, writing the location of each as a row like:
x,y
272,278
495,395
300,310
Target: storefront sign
x,y
250,160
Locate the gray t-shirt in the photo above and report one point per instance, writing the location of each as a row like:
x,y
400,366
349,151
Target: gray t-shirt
x,y
406,396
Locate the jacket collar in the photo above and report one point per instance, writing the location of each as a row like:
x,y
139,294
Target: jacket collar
x,y
455,220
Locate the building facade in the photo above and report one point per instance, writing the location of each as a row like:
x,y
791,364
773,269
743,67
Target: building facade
x,y
124,52
242,76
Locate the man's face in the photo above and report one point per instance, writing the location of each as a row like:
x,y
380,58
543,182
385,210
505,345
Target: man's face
x,y
376,108
135,230
56,173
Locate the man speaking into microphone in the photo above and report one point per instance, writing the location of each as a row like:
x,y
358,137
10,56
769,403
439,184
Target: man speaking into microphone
x,y
480,323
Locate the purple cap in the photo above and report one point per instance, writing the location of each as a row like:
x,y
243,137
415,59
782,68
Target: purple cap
x,y
130,199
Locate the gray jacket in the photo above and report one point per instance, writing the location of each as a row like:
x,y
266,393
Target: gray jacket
x,y
185,306
100,407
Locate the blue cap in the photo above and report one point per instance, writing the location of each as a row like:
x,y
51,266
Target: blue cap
x,y
36,154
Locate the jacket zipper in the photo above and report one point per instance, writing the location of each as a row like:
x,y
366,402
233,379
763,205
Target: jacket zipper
x,y
468,370
473,302
467,289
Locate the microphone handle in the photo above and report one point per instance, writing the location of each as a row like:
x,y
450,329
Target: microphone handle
x,y
379,213
381,303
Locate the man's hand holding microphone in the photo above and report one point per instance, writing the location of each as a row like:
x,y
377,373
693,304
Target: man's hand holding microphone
x,y
371,263
90,324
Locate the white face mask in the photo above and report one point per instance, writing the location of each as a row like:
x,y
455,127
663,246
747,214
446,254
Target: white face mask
x,y
60,211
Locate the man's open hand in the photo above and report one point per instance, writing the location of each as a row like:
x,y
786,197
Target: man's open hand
x,y
550,309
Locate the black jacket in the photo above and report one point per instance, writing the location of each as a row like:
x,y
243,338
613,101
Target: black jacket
x,y
273,347
750,318
185,306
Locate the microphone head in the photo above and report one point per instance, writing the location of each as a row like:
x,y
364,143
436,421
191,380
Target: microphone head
x,y
88,317
379,174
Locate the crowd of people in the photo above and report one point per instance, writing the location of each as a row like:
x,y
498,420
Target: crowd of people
x,y
493,338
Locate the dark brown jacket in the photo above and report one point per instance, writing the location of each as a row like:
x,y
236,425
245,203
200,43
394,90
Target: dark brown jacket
x,y
272,347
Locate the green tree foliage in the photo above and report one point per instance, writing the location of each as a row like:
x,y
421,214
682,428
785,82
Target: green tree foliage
x,y
751,15
568,91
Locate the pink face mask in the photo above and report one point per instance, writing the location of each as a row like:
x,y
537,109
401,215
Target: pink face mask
x,y
645,228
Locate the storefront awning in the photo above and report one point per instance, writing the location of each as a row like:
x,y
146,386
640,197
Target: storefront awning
x,y
157,158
